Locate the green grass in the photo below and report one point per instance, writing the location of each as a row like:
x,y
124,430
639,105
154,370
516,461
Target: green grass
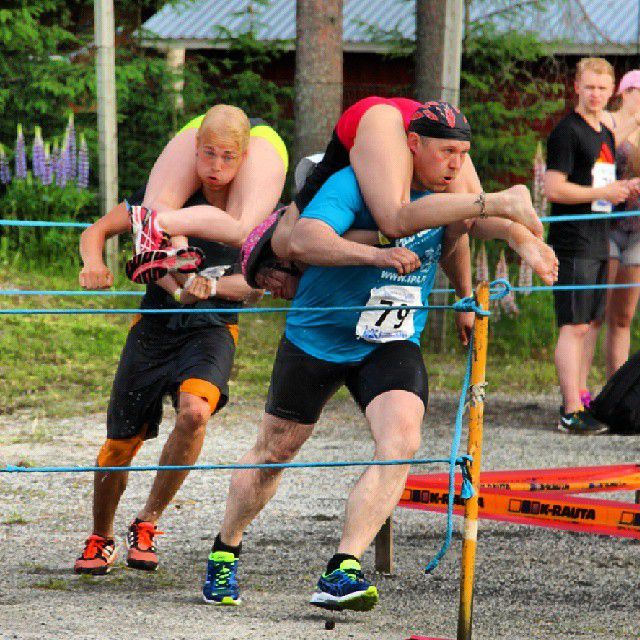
x,y
15,518
53,584
56,366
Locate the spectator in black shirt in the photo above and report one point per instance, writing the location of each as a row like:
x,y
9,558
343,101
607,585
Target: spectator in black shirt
x,y
581,178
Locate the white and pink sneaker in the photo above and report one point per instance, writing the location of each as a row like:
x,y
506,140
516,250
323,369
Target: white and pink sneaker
x,y
147,233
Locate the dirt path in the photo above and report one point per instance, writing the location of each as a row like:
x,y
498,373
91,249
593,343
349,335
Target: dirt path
x,y
531,583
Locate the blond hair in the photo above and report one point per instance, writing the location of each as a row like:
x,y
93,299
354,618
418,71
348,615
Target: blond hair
x,y
595,65
228,123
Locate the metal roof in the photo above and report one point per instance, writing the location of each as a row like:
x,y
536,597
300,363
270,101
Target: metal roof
x,y
580,26
202,20
571,25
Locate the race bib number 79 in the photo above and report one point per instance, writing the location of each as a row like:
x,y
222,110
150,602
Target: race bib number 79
x,y
386,325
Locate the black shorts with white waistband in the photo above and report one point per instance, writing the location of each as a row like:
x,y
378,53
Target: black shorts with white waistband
x,y
301,385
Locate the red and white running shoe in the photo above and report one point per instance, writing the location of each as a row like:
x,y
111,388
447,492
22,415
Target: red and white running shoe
x,y
150,266
97,557
142,553
147,233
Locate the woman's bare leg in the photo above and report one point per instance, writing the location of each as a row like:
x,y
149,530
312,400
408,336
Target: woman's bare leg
x,y
257,189
174,179
620,311
383,164
284,229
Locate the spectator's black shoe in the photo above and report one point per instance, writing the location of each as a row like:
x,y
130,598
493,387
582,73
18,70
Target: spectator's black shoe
x,y
581,423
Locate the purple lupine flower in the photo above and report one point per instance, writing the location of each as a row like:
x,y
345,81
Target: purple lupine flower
x,y
5,172
55,152
482,265
83,164
539,196
37,155
21,155
47,167
70,167
525,277
60,163
508,303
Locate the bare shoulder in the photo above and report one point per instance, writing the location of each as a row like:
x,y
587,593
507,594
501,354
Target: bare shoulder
x,y
608,120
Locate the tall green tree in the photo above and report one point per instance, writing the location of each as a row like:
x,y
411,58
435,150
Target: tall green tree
x,y
503,96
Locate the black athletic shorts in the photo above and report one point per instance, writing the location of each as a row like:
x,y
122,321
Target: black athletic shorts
x,y
155,362
581,306
301,385
336,157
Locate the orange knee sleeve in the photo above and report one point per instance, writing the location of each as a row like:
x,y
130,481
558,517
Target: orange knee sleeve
x,y
202,389
119,453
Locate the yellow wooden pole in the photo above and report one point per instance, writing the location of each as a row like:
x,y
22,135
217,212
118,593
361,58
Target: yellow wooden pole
x,y
474,448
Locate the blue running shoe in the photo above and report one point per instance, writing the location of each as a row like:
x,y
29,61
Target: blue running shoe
x,y
221,585
345,588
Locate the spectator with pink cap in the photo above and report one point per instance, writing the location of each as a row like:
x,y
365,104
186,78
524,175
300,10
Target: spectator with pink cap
x,y
624,236
624,122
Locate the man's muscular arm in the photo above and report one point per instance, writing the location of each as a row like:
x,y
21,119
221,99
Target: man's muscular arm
x,y
456,264
95,273
315,242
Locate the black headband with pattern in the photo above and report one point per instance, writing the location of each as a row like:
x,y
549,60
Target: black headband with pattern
x,y
437,119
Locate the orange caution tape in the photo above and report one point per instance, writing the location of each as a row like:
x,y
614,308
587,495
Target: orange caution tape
x,y
541,497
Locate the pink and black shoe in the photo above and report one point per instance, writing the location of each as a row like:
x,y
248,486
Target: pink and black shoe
x,y
150,266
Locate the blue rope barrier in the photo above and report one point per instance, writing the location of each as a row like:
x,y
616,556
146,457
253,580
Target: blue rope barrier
x,y
532,289
467,488
236,310
43,223
62,292
583,217
230,467
547,219
499,289
106,292
575,287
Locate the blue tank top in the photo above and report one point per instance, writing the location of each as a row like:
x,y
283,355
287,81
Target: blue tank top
x,y
349,336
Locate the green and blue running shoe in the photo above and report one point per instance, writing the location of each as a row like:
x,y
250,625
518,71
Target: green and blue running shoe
x,y
221,585
345,588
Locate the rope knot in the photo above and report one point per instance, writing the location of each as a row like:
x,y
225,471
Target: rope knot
x,y
478,392
466,491
499,288
467,304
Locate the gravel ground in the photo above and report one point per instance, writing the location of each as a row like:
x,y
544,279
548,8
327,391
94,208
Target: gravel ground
x,y
531,583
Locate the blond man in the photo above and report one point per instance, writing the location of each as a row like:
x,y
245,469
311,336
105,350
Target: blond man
x,y
185,356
